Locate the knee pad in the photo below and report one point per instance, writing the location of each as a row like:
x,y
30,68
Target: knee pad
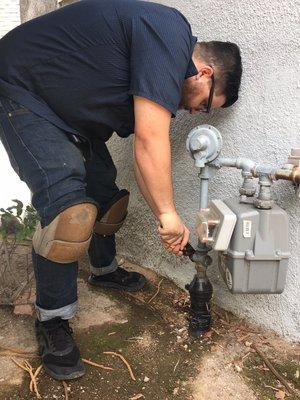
x,y
113,216
68,236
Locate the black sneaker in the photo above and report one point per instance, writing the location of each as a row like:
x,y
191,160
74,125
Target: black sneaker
x,y
119,279
59,353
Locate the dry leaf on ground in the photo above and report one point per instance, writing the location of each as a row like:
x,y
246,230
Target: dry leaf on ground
x,y
280,395
137,396
175,391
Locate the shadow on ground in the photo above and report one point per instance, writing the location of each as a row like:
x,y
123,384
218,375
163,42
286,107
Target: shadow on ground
x,y
152,336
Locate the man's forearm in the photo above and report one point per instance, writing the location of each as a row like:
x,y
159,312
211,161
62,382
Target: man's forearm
x,y
152,153
153,161
144,190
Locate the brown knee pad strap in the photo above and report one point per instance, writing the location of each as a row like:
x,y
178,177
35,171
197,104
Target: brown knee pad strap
x,y
68,236
114,215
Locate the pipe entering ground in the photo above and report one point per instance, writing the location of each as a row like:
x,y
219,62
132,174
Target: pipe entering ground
x,y
201,291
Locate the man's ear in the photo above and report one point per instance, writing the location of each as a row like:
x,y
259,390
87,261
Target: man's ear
x,y
205,70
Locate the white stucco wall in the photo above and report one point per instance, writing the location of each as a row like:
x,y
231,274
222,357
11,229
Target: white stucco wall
x,y
9,15
264,125
11,186
33,8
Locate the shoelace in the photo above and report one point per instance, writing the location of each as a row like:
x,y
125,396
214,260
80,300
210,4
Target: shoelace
x,y
60,333
121,274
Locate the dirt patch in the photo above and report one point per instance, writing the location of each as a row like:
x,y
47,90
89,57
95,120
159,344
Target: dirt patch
x,y
96,308
15,331
146,342
218,377
166,362
236,369
259,378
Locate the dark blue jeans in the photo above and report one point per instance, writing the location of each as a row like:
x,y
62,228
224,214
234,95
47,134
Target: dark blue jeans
x,y
58,176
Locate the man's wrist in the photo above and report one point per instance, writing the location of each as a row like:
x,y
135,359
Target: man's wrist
x,y
167,212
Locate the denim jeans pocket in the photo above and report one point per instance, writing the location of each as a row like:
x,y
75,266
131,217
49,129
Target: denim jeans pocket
x,y
16,108
20,117
19,111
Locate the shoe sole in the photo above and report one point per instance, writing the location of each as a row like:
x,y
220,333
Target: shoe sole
x,y
70,376
116,286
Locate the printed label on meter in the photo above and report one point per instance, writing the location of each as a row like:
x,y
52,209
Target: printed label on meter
x,y
247,226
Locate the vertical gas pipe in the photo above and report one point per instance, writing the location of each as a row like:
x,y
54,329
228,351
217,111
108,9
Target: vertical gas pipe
x,y
200,289
204,143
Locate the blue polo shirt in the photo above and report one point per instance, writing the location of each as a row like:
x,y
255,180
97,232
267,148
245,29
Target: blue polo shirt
x,y
80,66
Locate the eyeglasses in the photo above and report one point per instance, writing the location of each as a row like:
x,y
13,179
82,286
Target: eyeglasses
x,y
211,94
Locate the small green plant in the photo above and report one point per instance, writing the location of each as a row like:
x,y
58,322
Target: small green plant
x,y
17,225
17,221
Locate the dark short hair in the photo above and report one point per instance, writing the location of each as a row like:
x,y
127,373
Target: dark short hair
x,y
226,58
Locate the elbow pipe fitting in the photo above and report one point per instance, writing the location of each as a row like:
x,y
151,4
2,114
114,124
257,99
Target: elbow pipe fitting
x,y
264,170
244,164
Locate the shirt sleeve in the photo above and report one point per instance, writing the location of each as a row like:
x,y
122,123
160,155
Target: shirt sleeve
x,y
160,58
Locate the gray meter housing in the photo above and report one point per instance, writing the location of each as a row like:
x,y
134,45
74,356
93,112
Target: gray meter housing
x,y
257,257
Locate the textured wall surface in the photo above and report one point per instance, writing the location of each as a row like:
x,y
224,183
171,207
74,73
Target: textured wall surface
x,y
32,8
9,15
264,125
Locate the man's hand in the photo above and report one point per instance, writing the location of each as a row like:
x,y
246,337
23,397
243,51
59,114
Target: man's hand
x,y
173,232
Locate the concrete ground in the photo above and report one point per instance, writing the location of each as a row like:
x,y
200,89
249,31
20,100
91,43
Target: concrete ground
x,y
151,335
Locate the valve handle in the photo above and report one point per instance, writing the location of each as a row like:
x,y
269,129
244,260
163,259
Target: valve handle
x,y
189,250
